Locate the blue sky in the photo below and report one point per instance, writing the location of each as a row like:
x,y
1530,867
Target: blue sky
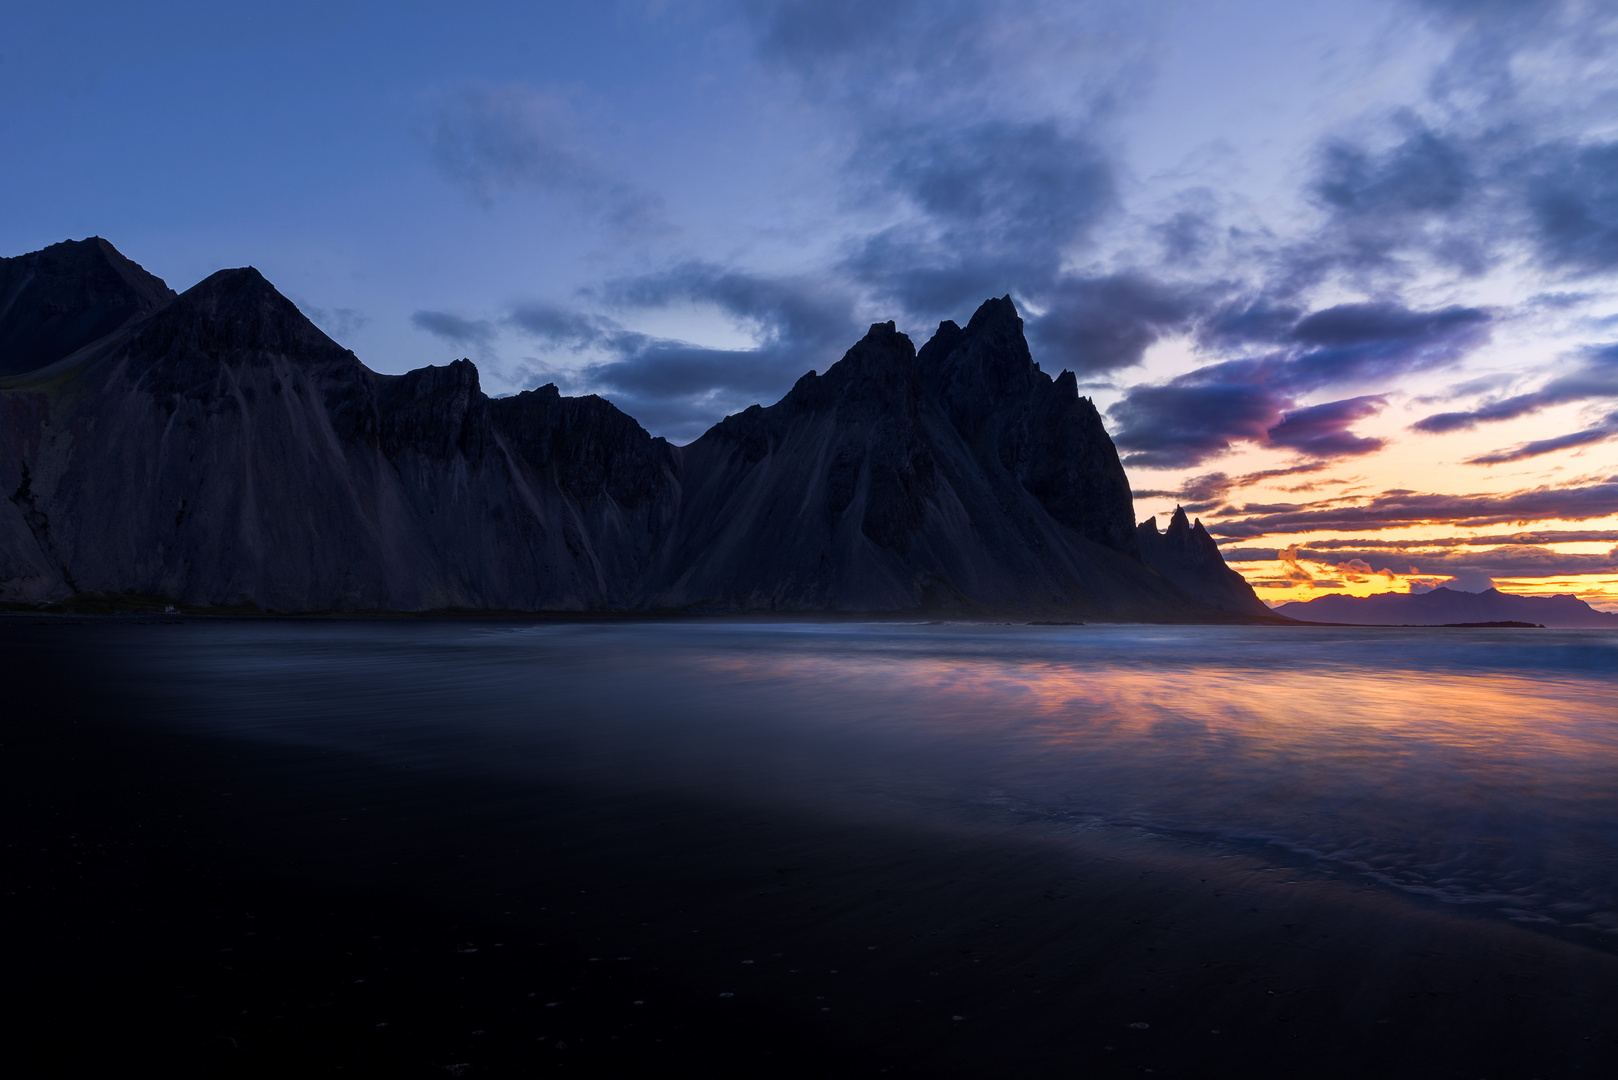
x,y
1305,257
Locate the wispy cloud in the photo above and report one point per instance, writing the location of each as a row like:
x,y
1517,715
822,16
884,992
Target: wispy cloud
x,y
492,140
477,334
341,323
1595,378
1393,509
1498,561
681,388
1605,431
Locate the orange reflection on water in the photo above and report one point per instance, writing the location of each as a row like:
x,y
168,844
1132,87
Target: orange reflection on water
x,y
1251,747
1498,714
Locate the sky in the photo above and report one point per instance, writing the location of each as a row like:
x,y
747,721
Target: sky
x,y
1342,277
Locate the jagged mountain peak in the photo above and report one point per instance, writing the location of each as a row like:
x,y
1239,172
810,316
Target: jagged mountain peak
x,y
1187,555
1187,536
995,327
1180,529
882,345
995,312
883,353
969,369
878,369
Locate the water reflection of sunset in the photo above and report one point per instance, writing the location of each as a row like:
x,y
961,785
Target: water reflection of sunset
x,y
1472,785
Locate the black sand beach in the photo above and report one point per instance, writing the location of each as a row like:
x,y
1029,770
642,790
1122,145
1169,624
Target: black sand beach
x,y
184,904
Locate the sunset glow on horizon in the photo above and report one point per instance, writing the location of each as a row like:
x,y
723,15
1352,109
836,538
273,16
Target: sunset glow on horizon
x,y
1376,535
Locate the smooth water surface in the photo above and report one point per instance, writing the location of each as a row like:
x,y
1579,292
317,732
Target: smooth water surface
x,y
1475,766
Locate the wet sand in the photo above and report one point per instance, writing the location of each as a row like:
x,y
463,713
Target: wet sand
x,y
208,906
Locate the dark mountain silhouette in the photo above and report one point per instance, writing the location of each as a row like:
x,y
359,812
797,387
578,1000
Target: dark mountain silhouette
x,y
219,449
224,450
56,301
1186,555
1445,606
953,478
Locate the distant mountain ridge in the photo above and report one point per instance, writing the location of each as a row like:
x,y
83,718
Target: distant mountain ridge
x,y
1446,606
217,448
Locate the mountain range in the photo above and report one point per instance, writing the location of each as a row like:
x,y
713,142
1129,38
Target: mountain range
x,y
1441,607
216,448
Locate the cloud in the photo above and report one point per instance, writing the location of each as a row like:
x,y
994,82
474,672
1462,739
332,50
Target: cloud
x,y
1187,235
1200,494
1422,173
1383,548
491,140
340,323
1001,187
1595,378
1505,409
1098,324
679,388
979,144
1460,200
655,369
1574,199
983,141
1469,580
1501,561
1296,574
1189,421
1375,340
1602,432
1204,413
1505,158
781,311
1321,431
1506,19
1250,321
1395,509
559,327
467,333
988,209
952,57
1416,196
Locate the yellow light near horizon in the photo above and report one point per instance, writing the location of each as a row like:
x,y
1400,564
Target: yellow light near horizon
x,y
1598,590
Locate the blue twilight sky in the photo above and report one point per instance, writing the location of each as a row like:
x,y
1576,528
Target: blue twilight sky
x,y
1340,275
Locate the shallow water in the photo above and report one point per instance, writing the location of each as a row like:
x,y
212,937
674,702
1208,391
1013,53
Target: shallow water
x,y
1473,766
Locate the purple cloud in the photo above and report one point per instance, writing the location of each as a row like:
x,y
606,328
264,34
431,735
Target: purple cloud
x,y
1321,431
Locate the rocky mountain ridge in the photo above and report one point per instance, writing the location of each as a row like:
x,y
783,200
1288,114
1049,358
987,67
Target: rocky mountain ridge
x,y
217,448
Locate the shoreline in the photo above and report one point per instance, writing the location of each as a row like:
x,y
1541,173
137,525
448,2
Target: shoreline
x,y
218,904
109,607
